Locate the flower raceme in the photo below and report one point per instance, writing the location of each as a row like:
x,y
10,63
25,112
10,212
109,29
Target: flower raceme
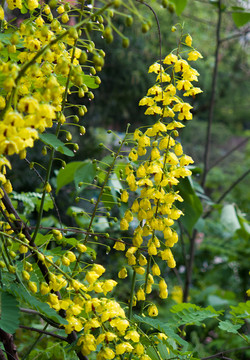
x,y
33,101
157,163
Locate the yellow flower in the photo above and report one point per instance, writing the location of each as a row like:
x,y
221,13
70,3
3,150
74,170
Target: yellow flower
x,y
123,347
146,101
128,216
120,324
124,196
91,277
166,254
186,160
153,110
156,270
2,103
140,294
1,13
192,92
183,85
142,260
194,55
92,323
119,246
12,4
123,273
135,206
87,343
133,156
156,68
108,285
177,294
141,171
32,4
44,288
99,269
152,310
105,353
132,335
170,59
188,40
124,225
139,270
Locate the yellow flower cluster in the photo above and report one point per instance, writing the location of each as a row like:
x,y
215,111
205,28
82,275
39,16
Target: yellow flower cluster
x,y
32,99
162,163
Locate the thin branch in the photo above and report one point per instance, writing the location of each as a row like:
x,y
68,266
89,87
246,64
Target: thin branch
x,y
236,182
213,96
30,311
44,332
51,196
158,29
233,36
220,354
243,142
197,19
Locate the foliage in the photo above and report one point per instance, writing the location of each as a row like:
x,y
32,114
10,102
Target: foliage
x,y
87,253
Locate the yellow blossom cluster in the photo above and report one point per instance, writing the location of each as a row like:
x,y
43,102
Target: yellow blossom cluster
x,y
157,162
33,87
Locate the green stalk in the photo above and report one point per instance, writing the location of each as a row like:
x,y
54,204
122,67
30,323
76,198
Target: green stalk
x,y
99,198
131,295
146,282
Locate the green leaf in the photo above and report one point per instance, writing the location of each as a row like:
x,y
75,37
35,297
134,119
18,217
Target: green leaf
x,y
240,18
191,206
242,310
108,200
85,174
179,6
163,327
42,239
55,143
190,314
66,175
229,218
229,327
43,308
9,313
90,81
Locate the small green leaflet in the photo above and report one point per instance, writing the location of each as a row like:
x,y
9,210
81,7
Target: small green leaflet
x,y
90,81
179,6
77,171
55,143
191,314
229,327
240,16
168,329
9,313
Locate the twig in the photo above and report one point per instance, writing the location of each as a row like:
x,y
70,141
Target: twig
x,y
224,352
30,311
44,332
236,182
212,100
228,153
159,32
51,196
233,36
